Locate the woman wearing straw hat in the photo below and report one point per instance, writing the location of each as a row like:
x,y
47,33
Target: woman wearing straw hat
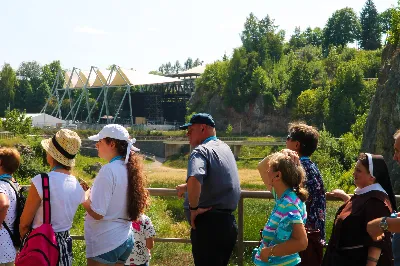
x,y
118,196
65,192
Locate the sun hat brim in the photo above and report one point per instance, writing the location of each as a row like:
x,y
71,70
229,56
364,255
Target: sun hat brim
x,y
48,146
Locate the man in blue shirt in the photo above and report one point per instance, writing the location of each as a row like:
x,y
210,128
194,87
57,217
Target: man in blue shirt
x,y
212,193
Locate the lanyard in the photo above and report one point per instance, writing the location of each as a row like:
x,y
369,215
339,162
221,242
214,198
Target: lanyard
x,y
209,139
6,176
55,168
304,158
116,158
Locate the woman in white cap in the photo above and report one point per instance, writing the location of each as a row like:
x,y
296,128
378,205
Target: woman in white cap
x,y
118,196
65,192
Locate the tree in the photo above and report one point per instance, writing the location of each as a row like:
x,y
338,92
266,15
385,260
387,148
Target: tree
x,y
385,19
298,39
259,36
197,62
31,71
313,36
8,82
300,80
49,73
188,64
17,122
370,27
177,67
343,27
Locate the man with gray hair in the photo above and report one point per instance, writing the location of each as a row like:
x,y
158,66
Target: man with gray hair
x,y
377,227
212,193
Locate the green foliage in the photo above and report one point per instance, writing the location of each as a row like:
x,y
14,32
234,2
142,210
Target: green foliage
x,y
394,31
228,130
8,82
213,80
17,122
343,27
370,27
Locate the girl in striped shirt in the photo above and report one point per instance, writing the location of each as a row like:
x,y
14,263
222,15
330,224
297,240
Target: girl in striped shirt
x,y
284,234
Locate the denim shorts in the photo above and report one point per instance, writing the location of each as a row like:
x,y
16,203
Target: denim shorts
x,y
117,255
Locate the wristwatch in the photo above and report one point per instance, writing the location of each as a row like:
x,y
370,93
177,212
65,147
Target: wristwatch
x,y
383,224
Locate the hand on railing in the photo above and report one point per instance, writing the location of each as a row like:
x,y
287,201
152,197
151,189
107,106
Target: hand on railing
x,y
338,193
181,189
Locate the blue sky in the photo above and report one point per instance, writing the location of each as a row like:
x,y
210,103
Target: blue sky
x,y
143,34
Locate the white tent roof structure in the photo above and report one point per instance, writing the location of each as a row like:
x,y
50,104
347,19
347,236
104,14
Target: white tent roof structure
x,y
135,78
123,78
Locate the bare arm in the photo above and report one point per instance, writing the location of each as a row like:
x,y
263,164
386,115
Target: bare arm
x,y
4,205
31,206
194,190
375,231
373,254
86,206
297,242
150,242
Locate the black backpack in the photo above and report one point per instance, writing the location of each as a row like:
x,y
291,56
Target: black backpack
x,y
20,207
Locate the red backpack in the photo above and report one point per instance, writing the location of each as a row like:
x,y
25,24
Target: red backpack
x,y
40,247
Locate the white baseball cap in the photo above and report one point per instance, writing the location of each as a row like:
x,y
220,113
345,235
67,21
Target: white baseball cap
x,y
116,131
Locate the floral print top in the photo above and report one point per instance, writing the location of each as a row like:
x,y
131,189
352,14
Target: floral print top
x,y
316,202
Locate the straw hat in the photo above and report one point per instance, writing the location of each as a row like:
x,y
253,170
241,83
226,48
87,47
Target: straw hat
x,y
63,146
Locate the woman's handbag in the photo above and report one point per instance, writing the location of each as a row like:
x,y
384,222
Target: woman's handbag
x,y
40,246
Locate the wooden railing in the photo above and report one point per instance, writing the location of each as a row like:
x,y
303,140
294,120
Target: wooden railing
x,y
241,243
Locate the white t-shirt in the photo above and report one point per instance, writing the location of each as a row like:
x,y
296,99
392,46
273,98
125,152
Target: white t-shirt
x,y
7,250
143,229
65,196
108,198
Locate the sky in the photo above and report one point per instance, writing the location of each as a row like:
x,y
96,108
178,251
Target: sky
x,y
143,34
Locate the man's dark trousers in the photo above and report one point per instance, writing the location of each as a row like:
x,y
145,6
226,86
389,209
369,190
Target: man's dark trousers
x,y
214,238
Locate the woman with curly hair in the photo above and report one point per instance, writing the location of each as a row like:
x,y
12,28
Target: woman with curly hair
x,y
117,198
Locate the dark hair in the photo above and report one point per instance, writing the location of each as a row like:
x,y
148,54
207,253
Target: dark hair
x,y
293,175
307,136
10,159
138,196
381,174
63,166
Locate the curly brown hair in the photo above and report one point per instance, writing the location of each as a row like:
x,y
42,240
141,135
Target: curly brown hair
x,y
293,175
138,196
307,136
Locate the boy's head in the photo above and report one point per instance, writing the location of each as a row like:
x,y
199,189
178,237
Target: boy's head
x,y
302,138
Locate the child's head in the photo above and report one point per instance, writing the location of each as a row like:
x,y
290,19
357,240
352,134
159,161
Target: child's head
x,y
114,140
62,148
9,160
302,138
282,170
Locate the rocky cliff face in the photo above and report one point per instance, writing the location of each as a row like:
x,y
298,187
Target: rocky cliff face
x,y
254,121
384,116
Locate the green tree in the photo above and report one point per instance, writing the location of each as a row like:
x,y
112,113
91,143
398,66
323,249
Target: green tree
x,y
385,19
214,78
8,82
188,64
17,122
313,36
49,74
370,27
260,36
343,27
298,39
300,80
23,95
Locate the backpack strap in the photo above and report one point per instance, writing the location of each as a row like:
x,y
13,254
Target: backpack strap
x,y
46,198
16,194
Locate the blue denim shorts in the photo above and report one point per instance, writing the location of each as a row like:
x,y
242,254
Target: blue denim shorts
x,y
118,255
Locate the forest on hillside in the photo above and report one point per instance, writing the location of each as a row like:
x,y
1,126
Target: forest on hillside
x,y
315,76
